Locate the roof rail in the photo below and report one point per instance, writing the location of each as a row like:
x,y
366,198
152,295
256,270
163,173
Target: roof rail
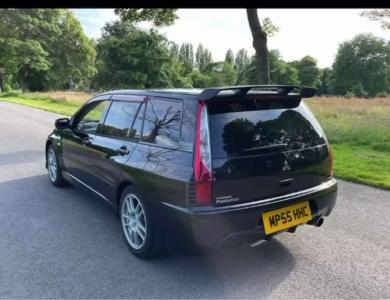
x,y
282,90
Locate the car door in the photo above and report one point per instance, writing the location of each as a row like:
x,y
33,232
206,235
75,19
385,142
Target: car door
x,y
112,146
77,139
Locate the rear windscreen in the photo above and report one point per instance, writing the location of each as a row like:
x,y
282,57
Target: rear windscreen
x,y
250,127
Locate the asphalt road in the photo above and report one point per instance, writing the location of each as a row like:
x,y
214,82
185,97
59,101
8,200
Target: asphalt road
x,y
67,243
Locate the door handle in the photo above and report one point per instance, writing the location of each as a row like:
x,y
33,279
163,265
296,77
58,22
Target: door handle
x,y
123,150
86,141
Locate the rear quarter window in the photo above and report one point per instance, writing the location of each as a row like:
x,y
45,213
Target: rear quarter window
x,y
162,122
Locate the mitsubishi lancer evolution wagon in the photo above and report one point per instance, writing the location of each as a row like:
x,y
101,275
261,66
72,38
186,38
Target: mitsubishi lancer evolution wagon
x,y
198,167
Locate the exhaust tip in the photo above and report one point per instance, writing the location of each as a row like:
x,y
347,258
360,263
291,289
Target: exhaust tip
x,y
319,222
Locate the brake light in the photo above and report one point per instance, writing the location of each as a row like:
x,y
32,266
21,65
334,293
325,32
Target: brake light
x,y
203,175
330,160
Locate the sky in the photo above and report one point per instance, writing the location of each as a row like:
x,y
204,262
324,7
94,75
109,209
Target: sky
x,y
315,32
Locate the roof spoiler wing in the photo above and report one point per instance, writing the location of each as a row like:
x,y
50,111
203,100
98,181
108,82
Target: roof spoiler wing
x,y
283,91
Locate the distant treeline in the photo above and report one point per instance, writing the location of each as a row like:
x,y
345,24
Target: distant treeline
x,y
46,49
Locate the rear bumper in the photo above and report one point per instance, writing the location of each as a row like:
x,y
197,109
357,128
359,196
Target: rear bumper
x,y
211,226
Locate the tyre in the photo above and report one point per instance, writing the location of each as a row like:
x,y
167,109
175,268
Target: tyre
x,y
138,228
53,168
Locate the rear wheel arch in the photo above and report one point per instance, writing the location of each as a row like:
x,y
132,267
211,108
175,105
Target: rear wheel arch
x,y
120,189
48,143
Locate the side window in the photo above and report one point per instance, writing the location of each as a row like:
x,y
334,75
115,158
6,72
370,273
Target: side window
x,y
119,118
188,124
137,126
89,119
162,122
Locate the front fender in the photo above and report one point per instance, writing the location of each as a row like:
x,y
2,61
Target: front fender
x,y
55,139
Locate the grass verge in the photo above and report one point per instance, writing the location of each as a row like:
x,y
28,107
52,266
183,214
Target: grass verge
x,y
362,164
62,103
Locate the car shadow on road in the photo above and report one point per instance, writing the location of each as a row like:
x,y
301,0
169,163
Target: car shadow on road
x,y
74,234
230,272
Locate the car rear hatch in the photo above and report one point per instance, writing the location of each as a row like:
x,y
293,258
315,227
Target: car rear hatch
x,y
263,143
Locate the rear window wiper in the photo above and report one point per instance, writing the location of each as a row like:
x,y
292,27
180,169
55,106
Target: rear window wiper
x,y
261,148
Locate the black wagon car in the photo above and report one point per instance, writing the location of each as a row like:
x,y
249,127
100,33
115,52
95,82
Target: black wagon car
x,y
198,167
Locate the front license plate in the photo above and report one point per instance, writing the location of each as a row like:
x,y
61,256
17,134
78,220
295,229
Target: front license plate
x,y
286,217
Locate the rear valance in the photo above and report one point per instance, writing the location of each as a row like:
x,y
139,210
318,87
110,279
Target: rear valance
x,y
274,91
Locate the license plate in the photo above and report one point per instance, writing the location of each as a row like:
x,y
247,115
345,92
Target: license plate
x,y
286,217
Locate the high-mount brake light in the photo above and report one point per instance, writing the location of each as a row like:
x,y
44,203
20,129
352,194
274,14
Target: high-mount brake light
x,y
203,170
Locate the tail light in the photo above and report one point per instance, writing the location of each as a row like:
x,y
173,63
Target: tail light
x,y
330,160
203,175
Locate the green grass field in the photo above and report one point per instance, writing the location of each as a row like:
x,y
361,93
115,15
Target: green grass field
x,y
358,129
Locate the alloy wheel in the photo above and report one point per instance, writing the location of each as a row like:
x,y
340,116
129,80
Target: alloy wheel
x,y
52,165
133,221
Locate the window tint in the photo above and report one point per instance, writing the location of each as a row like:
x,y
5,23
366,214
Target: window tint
x,y
119,118
162,122
89,119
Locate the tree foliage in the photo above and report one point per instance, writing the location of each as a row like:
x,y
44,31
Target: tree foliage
x,y
186,56
380,15
203,58
269,28
326,82
45,48
158,16
229,57
362,65
280,71
132,58
308,71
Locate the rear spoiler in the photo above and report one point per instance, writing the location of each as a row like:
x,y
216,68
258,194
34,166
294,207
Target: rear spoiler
x,y
282,91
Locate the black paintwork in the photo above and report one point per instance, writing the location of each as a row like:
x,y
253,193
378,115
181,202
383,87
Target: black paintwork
x,y
164,175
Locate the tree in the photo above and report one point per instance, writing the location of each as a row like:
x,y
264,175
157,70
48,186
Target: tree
x,y
260,44
381,15
174,50
363,65
220,73
241,60
158,16
308,71
199,80
326,82
229,57
186,56
45,48
280,71
133,58
243,66
203,58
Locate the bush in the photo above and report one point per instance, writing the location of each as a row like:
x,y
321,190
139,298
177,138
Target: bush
x,y
7,88
359,91
350,94
381,95
9,94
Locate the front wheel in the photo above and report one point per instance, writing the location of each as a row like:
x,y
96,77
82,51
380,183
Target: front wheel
x,y
137,225
53,168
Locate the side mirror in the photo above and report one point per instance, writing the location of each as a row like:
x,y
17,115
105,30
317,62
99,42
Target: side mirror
x,y
62,123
